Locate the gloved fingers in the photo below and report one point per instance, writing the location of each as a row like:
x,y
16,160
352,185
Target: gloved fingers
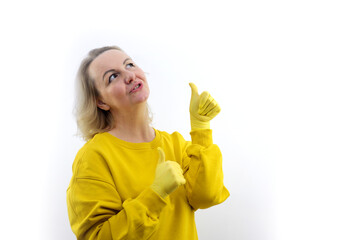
x,y
204,100
178,173
176,166
209,108
182,180
214,112
161,158
209,104
212,108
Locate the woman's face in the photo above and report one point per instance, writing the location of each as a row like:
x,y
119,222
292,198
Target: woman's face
x,y
120,82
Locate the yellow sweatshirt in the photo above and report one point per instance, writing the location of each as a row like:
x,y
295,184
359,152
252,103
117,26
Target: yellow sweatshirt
x,y
109,196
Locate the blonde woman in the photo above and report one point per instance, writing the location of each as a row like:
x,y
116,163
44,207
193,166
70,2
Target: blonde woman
x,y
131,181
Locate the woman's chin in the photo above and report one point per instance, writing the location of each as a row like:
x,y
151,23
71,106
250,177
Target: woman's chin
x,y
141,100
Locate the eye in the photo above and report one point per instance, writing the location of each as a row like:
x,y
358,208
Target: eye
x,y
112,77
130,65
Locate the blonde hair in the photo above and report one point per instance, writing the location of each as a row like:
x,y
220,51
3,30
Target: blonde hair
x,y
91,119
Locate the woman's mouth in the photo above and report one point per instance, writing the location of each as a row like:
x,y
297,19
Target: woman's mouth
x,y
136,88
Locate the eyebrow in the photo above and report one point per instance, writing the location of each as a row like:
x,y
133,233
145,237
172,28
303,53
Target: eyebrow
x,y
113,70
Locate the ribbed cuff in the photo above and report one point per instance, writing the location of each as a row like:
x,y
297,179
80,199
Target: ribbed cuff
x,y
202,137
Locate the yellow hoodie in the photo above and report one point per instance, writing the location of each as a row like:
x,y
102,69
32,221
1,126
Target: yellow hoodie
x,y
109,196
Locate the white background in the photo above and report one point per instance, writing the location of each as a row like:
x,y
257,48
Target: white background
x,y
286,74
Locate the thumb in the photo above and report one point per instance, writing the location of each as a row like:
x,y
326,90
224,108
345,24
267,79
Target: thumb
x,y
161,158
194,90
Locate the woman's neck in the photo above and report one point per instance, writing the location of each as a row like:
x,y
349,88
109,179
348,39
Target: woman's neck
x,y
133,126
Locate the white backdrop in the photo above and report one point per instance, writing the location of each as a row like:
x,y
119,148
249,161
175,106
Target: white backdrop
x,y
286,74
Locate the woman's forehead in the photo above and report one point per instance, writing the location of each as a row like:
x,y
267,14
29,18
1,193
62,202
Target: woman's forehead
x,y
107,60
109,57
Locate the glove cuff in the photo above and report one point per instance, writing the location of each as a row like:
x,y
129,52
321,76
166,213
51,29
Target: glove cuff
x,y
159,190
197,124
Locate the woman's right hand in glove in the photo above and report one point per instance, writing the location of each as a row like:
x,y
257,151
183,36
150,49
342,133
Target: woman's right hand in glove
x,y
168,176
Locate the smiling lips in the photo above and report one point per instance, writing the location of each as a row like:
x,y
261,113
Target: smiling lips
x,y
137,87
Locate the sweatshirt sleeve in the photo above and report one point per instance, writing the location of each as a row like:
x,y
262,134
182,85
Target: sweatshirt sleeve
x,y
203,171
96,211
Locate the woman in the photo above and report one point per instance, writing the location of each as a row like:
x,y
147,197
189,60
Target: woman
x,y
131,181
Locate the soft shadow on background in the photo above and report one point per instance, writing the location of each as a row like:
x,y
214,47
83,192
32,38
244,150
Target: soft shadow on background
x,y
286,74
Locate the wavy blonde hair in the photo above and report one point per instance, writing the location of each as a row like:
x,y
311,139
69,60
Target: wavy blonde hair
x,y
91,119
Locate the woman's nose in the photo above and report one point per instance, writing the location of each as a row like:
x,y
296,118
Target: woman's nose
x,y
129,77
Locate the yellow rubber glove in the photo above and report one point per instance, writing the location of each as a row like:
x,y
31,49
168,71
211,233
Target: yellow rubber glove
x,y
203,108
168,176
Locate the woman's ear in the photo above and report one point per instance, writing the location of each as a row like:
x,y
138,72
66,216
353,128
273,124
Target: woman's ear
x,y
102,105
